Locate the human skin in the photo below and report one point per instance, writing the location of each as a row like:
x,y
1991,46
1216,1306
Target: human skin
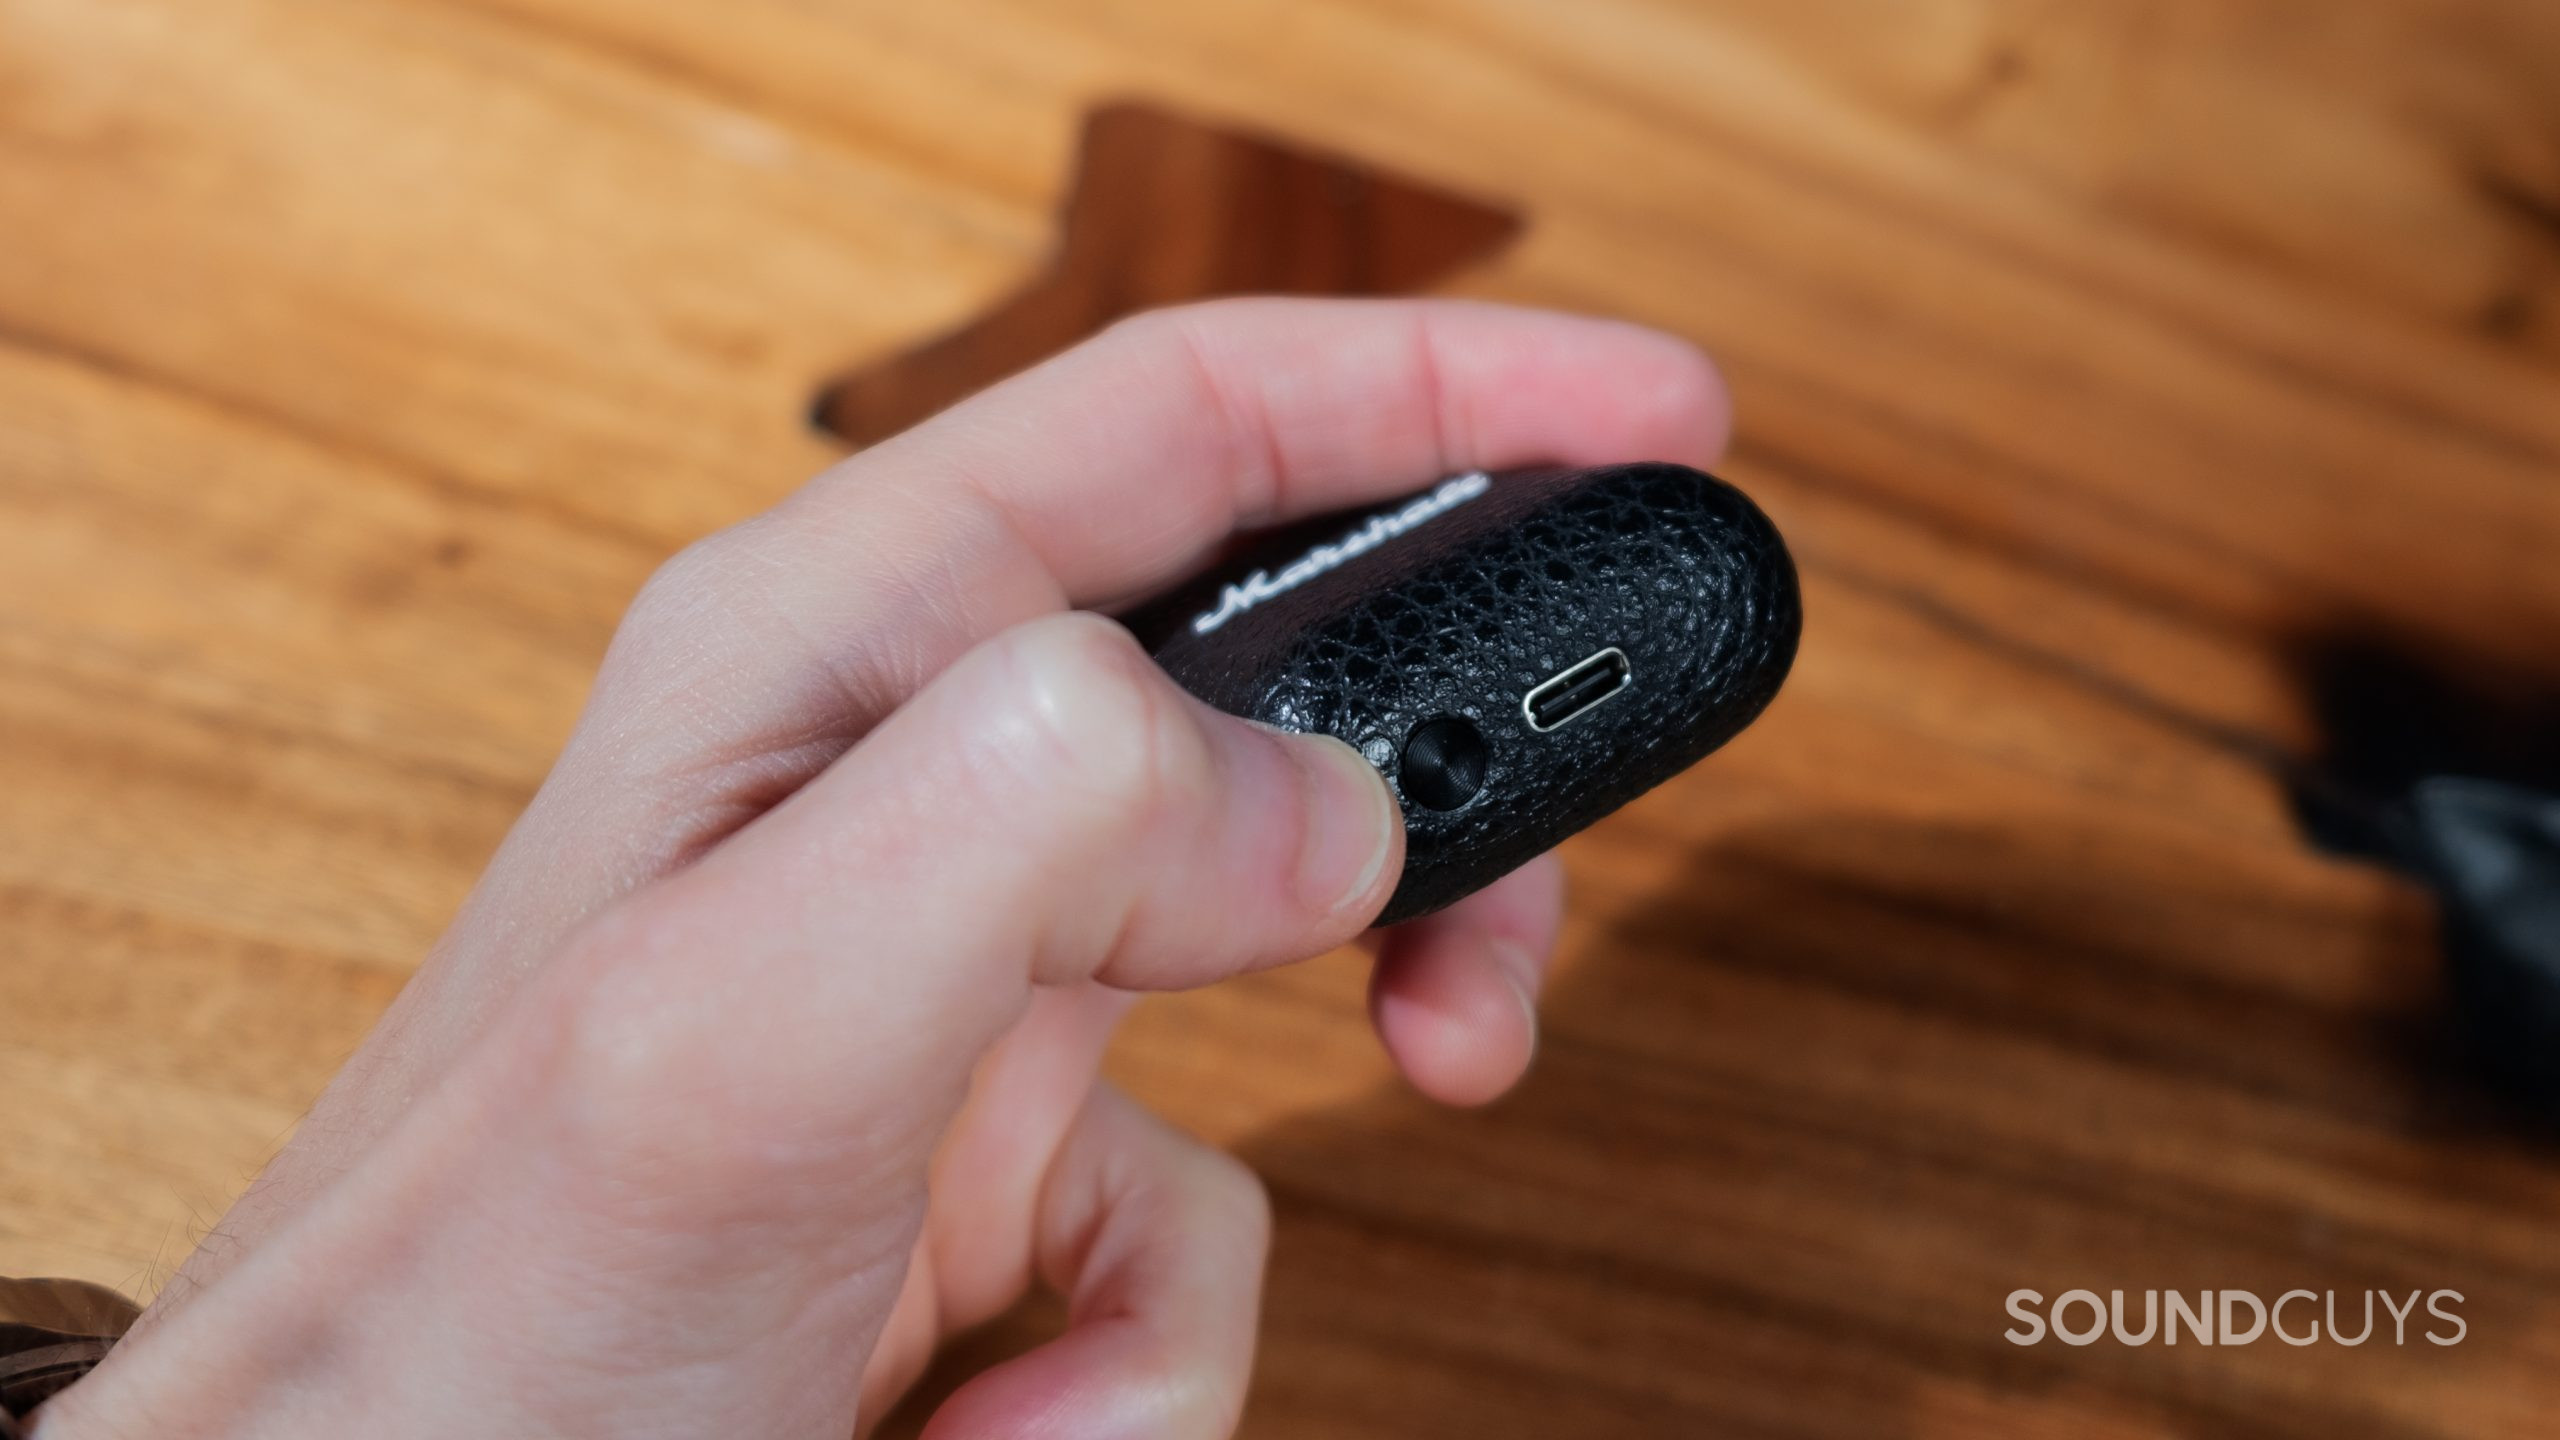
x,y
765,1054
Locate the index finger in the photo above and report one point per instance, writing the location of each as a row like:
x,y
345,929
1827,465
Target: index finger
x,y
1123,460
1116,467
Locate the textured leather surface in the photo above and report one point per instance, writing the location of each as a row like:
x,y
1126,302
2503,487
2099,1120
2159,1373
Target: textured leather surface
x,y
1470,610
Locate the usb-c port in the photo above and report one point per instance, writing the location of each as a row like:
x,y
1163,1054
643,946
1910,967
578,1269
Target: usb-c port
x,y
1575,689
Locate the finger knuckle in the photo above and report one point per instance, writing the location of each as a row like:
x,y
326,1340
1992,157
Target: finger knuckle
x,y
1192,350
645,1104
621,1052
701,609
684,585
1081,712
657,647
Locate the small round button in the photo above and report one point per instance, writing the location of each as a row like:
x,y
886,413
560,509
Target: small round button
x,y
1443,762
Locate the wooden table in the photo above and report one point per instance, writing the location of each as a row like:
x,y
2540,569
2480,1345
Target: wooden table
x,y
2102,361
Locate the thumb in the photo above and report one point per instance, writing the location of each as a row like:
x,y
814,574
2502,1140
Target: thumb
x,y
1050,811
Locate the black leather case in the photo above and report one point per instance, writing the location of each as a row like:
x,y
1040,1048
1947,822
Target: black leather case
x,y
1403,631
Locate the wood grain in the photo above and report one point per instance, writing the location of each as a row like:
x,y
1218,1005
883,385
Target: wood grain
x,y
357,360
1166,209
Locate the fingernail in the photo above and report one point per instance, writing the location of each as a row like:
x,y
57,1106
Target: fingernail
x,y
1351,829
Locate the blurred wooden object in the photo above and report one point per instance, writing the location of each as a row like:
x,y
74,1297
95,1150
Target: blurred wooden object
x,y
357,361
1167,209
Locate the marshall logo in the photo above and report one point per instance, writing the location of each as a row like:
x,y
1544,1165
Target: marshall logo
x,y
1382,527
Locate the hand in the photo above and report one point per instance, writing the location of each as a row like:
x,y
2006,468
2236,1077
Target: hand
x,y
764,1055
